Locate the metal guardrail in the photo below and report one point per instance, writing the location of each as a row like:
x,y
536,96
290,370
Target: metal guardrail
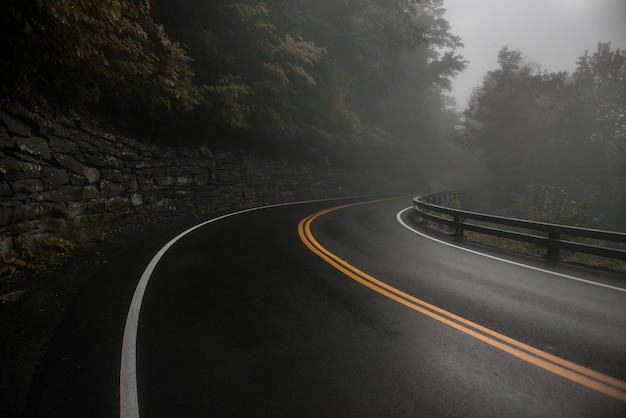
x,y
553,237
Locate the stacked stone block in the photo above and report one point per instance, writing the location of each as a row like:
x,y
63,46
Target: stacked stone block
x,y
59,172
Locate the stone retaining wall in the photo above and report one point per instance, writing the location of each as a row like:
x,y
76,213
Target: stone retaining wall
x,y
58,173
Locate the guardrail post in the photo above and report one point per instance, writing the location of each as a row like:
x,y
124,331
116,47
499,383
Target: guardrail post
x,y
458,227
454,220
553,249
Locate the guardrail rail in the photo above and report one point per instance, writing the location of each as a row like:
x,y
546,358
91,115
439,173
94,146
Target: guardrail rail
x,y
553,237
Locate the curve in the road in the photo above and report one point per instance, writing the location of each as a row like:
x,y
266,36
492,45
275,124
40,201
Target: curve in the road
x,y
129,401
569,370
565,276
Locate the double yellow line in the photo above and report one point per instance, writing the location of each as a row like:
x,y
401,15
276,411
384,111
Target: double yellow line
x,y
572,371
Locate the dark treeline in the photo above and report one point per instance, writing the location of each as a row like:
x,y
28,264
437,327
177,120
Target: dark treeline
x,y
360,81
555,143
347,82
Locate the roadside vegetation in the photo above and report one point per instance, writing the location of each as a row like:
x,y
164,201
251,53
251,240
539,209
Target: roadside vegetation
x,y
555,143
351,84
318,79
542,203
310,80
39,254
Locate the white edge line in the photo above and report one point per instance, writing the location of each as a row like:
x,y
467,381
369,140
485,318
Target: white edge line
x,y
129,400
565,276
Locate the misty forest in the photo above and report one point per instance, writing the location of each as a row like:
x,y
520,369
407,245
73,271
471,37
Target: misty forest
x,y
353,83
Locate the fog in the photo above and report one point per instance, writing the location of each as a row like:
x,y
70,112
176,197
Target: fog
x,y
552,33
359,85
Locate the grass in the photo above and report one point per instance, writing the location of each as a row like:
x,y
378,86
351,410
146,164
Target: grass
x,y
10,262
588,260
598,262
42,252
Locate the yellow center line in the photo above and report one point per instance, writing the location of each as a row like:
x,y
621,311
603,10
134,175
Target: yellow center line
x,y
564,368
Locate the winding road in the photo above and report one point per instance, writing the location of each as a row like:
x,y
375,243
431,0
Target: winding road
x,y
339,308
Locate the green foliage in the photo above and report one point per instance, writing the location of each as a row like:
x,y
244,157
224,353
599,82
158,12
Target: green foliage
x,y
250,69
545,203
56,245
10,262
508,120
317,71
32,252
594,261
454,204
315,75
570,129
566,256
599,125
417,112
504,243
88,52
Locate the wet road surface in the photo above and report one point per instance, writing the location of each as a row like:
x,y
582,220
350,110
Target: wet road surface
x,y
241,317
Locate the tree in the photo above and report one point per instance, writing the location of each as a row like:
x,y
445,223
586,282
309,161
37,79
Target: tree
x,y
418,113
600,125
383,71
83,53
304,74
316,75
566,130
601,82
510,120
250,68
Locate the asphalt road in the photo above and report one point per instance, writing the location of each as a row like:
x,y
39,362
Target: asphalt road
x,y
348,313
